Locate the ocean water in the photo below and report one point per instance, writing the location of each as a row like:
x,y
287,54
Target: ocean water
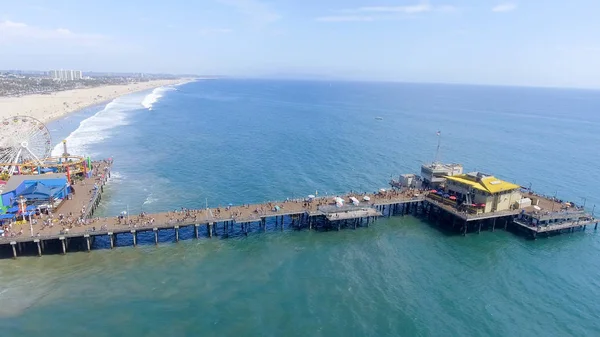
x,y
243,141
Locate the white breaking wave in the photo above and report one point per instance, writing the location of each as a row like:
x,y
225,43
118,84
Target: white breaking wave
x,y
155,95
98,127
150,199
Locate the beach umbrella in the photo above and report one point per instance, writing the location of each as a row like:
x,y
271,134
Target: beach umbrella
x,y
446,195
452,197
382,190
276,208
311,196
366,198
339,204
230,204
433,191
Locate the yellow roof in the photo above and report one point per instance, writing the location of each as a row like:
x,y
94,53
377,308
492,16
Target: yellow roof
x,y
487,184
462,180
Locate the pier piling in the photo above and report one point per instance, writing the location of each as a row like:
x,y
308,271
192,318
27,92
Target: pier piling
x,y
112,240
176,233
134,237
196,230
39,246
88,243
62,242
14,249
155,230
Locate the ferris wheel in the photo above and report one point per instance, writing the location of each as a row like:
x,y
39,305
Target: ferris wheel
x,y
23,139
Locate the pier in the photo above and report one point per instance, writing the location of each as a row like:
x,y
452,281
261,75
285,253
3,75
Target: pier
x,y
78,230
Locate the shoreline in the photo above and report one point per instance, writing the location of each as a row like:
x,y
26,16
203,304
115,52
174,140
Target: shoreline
x,y
48,108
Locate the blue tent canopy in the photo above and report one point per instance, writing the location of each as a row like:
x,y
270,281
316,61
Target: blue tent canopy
x,y
39,191
13,209
38,188
30,208
28,213
6,216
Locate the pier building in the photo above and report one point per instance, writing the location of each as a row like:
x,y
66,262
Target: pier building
x,y
483,193
435,174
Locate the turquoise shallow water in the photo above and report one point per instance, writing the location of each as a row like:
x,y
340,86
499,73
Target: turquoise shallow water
x,y
249,141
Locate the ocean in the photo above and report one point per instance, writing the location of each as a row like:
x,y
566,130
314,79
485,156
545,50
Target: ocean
x,y
245,141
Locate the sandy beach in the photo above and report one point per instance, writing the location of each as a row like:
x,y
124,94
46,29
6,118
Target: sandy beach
x,y
57,104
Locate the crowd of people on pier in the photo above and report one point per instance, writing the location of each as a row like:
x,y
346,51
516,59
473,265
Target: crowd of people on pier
x,y
72,216
70,222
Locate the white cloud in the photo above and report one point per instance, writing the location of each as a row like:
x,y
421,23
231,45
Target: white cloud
x,y
215,31
63,31
11,24
344,18
411,9
505,7
254,9
20,32
373,13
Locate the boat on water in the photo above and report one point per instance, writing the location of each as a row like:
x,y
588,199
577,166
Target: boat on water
x,y
379,118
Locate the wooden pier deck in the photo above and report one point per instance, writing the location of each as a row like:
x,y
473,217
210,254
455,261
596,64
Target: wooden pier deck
x,y
471,217
568,225
74,219
65,223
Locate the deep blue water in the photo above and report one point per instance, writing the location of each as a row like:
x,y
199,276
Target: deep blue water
x,y
249,141
243,141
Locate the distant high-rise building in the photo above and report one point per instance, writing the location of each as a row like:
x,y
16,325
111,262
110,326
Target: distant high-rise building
x,y
66,75
54,74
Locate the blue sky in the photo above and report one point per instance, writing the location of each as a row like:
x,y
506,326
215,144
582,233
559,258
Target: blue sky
x,y
527,42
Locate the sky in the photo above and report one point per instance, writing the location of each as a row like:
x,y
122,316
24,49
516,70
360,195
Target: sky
x,y
526,42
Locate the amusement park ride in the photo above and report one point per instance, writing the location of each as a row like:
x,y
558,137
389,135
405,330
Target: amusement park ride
x,y
26,147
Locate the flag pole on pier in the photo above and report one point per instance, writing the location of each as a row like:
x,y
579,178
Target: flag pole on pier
x,y
437,151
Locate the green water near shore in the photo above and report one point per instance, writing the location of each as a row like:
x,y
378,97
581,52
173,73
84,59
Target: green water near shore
x,y
392,278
